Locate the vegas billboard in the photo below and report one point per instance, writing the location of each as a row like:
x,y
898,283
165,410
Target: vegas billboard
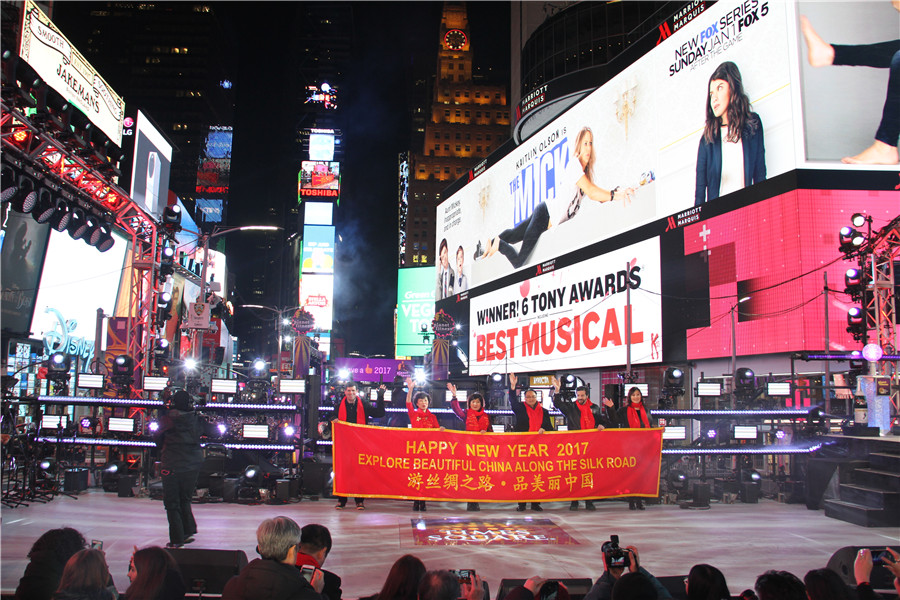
x,y
647,143
415,309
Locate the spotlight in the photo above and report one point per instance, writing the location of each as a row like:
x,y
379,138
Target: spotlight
x,y
112,469
779,434
172,216
153,426
872,352
190,364
123,370
44,206
289,430
163,309
343,374
10,183
711,434
744,379
495,379
166,261
45,464
674,378
99,233
161,349
85,423
853,284
59,363
222,428
25,197
569,383
77,223
856,323
250,473
420,376
62,215
858,219
258,369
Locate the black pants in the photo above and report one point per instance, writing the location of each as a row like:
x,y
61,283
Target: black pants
x,y
342,500
885,55
178,489
527,232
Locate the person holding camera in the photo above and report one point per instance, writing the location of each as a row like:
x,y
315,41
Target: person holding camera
x,y
180,460
530,416
582,414
617,561
538,588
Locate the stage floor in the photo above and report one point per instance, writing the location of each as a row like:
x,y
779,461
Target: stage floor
x,y
741,539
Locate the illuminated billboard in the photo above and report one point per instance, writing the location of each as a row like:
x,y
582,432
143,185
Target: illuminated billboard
x,y
572,317
65,69
648,143
211,209
23,244
318,178
214,171
317,297
321,144
318,249
415,309
318,213
324,95
150,166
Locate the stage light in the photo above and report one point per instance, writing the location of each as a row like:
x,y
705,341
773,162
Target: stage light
x,y
123,370
10,183
677,479
858,219
77,223
172,215
343,374
45,464
163,309
161,349
62,215
495,378
674,378
711,433
289,430
59,363
166,261
153,426
744,379
569,383
872,352
98,234
43,207
190,364
222,428
25,196
856,323
420,376
112,469
251,472
85,423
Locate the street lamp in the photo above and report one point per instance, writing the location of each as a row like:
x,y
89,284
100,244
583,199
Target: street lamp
x,y
279,321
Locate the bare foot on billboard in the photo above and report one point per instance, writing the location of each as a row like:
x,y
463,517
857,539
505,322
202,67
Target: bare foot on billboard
x,y
821,53
493,246
878,153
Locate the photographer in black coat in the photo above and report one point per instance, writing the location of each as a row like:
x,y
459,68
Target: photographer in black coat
x,y
181,458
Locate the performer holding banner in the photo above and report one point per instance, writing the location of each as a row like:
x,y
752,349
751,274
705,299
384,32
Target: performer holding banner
x,y
475,419
353,409
635,415
582,414
530,416
419,418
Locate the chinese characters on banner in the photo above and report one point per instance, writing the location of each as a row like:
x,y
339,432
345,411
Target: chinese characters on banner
x,y
430,464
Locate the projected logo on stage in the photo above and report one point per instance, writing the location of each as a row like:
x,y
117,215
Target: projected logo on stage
x,y
472,532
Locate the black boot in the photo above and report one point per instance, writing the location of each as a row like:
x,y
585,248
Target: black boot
x,y
589,505
473,506
640,504
536,506
415,505
632,505
574,505
422,505
521,507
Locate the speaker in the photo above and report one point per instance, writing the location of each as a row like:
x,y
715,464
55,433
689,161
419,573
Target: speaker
x,y
126,486
578,588
76,480
314,475
749,493
700,493
207,571
282,491
313,400
229,489
613,391
841,562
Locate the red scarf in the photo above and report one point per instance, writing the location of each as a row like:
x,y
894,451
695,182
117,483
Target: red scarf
x,y
477,420
535,416
637,417
421,419
587,415
360,411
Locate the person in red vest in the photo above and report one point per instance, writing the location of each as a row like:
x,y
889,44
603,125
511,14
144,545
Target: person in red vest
x,y
475,419
635,415
530,416
582,414
420,418
354,409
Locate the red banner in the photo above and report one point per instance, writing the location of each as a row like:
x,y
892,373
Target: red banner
x,y
429,464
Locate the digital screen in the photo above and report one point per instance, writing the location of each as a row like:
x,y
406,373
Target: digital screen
x,y
54,421
210,209
319,178
155,384
674,433
223,386
319,213
317,297
745,432
87,380
373,395
461,395
415,309
292,386
318,249
120,425
260,432
709,389
778,389
321,146
150,167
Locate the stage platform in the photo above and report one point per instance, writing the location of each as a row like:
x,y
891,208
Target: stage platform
x,y
741,539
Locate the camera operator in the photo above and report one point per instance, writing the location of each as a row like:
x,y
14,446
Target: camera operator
x,y
538,588
617,561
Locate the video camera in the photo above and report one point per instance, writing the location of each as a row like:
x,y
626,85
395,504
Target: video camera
x,y
614,556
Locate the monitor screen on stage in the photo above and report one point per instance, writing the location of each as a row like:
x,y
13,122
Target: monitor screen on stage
x,y
120,425
256,432
674,433
745,432
89,381
709,389
778,389
292,386
223,386
54,421
155,384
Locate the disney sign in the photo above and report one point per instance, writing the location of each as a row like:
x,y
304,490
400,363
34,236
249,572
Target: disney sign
x,y
62,340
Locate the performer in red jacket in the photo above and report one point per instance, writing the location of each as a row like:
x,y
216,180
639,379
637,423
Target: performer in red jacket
x,y
420,418
475,419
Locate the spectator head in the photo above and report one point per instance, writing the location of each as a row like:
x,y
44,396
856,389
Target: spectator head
x,y
825,584
779,585
439,585
634,586
277,538
705,582
85,571
58,545
151,571
403,580
315,540
181,400
748,595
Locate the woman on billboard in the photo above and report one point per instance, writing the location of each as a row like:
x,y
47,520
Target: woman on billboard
x,y
579,171
732,154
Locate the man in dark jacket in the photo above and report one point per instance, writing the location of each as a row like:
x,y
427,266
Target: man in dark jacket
x,y
315,544
180,458
354,409
582,414
530,416
274,576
